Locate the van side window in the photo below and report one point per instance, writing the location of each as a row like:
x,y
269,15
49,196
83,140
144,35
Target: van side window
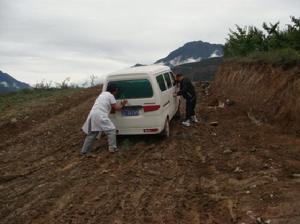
x,y
168,80
173,78
161,82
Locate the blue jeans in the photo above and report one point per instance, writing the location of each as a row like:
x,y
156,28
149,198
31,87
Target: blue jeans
x,y
91,137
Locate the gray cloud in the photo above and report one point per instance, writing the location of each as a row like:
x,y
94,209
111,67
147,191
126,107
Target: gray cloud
x,y
51,39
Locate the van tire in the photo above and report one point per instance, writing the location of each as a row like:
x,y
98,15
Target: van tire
x,y
177,115
166,132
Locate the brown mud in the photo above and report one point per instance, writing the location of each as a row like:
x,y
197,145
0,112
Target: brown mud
x,y
235,172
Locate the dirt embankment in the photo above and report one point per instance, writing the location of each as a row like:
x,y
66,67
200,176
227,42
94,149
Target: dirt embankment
x,y
269,93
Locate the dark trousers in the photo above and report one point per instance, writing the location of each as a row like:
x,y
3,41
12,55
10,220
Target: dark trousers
x,y
190,108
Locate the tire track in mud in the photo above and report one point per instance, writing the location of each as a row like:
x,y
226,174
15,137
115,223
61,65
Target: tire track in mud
x,y
32,150
144,197
126,173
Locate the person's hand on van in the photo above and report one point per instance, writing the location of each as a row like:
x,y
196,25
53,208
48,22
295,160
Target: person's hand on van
x,y
124,102
174,94
120,105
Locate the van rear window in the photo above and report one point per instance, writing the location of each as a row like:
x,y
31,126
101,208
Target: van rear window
x,y
133,89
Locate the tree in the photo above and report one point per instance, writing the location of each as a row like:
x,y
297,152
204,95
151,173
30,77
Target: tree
x,y
93,79
64,84
249,39
244,41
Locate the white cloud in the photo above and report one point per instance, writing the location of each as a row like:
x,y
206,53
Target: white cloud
x,y
3,83
215,54
178,60
51,39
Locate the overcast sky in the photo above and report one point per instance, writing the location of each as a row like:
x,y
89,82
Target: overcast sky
x,y
55,39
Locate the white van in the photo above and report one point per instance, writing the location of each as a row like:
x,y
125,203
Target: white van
x,y
151,101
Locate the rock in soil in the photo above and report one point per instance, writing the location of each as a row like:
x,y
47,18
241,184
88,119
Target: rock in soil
x,y
214,123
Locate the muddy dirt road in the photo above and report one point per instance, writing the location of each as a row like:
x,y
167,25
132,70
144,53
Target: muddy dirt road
x,y
236,172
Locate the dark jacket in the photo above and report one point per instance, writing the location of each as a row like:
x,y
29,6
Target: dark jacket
x,y
187,89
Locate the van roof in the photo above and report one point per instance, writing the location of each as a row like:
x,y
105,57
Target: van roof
x,y
145,69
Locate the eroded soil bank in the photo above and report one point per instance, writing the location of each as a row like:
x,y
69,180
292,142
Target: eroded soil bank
x,y
270,93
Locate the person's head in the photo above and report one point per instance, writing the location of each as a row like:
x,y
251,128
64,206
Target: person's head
x,y
179,77
112,88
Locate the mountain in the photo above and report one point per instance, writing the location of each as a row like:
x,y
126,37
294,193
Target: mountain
x,y
9,84
192,52
203,70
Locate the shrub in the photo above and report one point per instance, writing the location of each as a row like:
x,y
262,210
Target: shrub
x,y
282,45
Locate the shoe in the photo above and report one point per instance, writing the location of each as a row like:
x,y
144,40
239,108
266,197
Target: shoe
x,y
186,123
87,155
112,150
194,119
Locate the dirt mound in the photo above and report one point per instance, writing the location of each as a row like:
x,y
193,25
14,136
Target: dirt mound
x,y
234,172
270,93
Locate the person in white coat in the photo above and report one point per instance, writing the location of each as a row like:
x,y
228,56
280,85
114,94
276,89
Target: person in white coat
x,y
98,120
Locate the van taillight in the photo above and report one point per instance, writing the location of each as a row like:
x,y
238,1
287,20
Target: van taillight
x,y
149,108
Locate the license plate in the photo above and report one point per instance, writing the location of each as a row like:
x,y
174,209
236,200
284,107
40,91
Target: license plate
x,y
130,113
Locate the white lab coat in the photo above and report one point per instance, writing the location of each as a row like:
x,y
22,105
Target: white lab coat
x,y
98,119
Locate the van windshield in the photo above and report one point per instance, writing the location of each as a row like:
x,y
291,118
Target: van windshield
x,y
133,89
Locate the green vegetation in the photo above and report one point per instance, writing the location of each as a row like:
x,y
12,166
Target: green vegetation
x,y
270,44
24,97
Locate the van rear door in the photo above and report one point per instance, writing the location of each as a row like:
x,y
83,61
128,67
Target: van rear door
x,y
141,102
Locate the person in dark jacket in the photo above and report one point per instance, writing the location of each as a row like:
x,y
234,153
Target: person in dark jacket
x,y
187,91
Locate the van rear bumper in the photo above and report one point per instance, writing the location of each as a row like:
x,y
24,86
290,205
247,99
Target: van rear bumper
x,y
139,131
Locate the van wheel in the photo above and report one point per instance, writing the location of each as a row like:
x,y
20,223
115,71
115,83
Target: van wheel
x,y
166,132
177,115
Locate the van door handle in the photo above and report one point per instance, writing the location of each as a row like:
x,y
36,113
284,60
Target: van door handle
x,y
166,103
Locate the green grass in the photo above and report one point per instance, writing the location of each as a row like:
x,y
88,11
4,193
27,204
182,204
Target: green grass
x,y
18,99
284,56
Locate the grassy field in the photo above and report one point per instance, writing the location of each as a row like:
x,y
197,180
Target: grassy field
x,y
20,99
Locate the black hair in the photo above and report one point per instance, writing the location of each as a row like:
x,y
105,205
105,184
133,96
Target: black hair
x,y
179,74
111,88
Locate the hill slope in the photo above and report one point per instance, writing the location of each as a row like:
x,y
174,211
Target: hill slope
x,y
203,174
10,84
192,52
204,70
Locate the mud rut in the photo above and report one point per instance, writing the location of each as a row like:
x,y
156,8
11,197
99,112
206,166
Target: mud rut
x,y
233,173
